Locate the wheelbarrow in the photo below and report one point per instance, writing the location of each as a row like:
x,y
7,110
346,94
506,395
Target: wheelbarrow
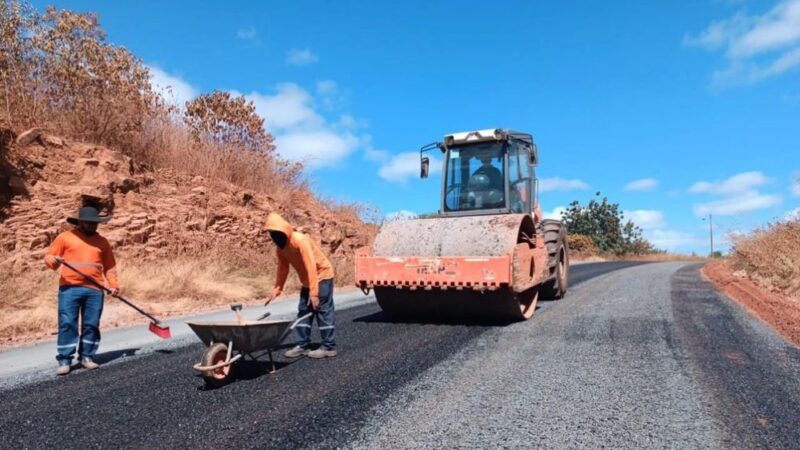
x,y
230,341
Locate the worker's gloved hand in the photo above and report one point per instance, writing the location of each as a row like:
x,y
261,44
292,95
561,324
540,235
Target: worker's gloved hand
x,y
276,292
314,301
115,292
55,260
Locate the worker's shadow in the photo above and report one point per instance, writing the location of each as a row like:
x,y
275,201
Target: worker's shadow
x,y
107,357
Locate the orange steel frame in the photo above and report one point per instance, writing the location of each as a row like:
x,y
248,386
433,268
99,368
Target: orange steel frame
x,y
459,272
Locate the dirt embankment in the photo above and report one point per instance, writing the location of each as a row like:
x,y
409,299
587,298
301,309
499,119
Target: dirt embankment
x,y
184,243
780,311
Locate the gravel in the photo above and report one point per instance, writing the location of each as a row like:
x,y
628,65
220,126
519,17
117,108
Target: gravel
x,y
599,369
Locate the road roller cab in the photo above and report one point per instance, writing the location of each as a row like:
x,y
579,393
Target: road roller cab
x,y
486,172
486,253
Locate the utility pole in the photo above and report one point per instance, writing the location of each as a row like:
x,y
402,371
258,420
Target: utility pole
x,y
711,234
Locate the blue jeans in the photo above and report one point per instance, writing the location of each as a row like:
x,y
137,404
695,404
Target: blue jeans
x,y
324,315
75,301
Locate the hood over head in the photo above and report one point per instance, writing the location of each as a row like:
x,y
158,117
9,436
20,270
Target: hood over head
x,y
277,223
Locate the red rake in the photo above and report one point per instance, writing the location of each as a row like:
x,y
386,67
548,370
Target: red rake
x,y
156,326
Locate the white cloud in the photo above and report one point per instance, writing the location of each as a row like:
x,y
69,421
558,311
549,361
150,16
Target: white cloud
x,y
171,87
290,107
316,148
757,47
560,184
247,34
644,184
326,87
739,203
646,219
403,214
736,184
301,57
351,123
402,166
556,213
672,240
796,184
792,215
740,195
778,28
376,155
301,133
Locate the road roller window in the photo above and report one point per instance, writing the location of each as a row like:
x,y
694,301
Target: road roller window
x,y
475,177
519,178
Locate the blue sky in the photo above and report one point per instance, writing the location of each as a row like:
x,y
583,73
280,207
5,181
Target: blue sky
x,y
673,109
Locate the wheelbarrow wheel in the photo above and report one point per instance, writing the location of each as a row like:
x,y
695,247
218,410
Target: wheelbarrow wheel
x,y
216,354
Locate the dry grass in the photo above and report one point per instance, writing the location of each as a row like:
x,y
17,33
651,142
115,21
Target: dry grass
x,y
165,143
771,256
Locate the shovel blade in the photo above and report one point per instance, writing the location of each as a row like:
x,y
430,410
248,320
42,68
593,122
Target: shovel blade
x,y
160,330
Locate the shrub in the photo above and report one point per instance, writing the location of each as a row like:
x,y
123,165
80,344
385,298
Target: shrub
x,y
582,245
771,255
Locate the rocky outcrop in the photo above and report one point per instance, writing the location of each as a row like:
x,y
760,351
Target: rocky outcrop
x,y
154,213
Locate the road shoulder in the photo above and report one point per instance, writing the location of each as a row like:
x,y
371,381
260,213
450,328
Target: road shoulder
x,y
747,373
779,311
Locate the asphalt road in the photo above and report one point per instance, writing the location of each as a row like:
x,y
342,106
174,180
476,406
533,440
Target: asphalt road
x,y
635,356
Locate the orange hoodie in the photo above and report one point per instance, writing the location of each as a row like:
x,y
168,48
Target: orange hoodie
x,y
91,255
303,254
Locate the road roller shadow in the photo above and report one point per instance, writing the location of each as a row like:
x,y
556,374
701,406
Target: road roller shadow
x,y
432,319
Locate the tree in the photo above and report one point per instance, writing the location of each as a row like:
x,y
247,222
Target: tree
x,y
604,223
227,119
59,72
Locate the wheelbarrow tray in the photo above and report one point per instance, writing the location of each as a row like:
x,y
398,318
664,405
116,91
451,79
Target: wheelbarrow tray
x,y
247,337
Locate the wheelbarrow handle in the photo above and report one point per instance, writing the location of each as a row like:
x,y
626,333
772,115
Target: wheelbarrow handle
x,y
300,319
294,325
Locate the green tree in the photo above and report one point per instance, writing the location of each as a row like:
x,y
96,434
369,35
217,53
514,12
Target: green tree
x,y
604,223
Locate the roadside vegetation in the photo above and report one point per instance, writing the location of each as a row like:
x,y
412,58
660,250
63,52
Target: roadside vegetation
x,y
770,256
599,229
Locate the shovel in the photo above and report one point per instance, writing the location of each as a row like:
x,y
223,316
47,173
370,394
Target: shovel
x,y
266,314
156,326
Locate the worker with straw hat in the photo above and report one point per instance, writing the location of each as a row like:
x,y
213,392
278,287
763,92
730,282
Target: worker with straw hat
x,y
81,247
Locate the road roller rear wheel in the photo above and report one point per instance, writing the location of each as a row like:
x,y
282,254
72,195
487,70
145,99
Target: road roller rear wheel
x,y
555,240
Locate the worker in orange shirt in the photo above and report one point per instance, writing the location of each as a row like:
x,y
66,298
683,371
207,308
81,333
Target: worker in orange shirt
x,y
316,274
90,253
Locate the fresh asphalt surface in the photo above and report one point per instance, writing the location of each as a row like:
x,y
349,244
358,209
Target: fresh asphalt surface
x,y
640,356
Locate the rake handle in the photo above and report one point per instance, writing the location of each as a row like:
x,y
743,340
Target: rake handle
x,y
105,289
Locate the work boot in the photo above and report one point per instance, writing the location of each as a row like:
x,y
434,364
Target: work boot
x,y
322,352
296,351
87,363
63,369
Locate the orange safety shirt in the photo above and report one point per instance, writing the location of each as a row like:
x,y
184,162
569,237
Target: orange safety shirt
x,y
91,255
302,253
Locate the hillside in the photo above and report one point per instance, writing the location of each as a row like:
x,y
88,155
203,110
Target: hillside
x,y
184,242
